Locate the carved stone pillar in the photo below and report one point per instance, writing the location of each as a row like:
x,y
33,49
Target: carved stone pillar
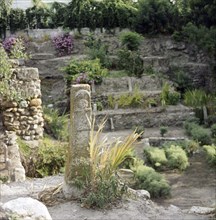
x,y
78,154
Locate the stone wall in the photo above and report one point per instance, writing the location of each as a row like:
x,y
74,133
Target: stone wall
x,y
148,118
22,118
25,117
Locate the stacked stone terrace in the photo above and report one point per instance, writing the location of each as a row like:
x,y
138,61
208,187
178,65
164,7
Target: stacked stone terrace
x,y
146,116
22,118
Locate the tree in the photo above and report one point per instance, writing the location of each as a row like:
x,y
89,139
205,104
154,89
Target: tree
x,y
5,7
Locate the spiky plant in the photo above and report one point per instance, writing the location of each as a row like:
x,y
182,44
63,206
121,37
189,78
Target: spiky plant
x,y
106,157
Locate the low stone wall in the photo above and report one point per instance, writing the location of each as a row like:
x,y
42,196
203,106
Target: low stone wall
x,y
154,117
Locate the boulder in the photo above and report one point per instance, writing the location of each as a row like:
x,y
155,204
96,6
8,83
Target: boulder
x,y
27,208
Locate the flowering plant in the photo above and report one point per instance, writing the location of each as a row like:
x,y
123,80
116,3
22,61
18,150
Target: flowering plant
x,y
83,78
63,44
15,47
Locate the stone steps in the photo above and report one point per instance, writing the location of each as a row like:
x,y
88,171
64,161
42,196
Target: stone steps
x,y
121,119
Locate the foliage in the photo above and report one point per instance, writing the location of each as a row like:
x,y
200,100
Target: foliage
x,y
182,80
177,157
213,130
55,124
155,156
169,97
163,131
99,14
147,178
139,129
189,146
131,40
6,90
101,186
98,50
92,68
48,159
156,16
134,99
63,44
17,20
202,36
201,135
131,62
15,47
211,154
5,7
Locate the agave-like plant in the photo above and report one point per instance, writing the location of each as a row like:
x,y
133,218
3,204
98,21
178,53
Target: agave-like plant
x,y
199,99
106,157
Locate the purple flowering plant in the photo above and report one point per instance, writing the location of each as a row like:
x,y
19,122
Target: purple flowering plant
x,y
63,44
8,43
83,78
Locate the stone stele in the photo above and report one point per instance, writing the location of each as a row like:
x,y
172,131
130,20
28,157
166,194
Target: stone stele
x,y
78,150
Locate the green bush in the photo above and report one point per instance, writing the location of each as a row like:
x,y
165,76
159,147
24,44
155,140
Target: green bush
x,y
155,156
131,61
169,97
177,157
48,159
163,131
155,16
92,68
202,36
210,151
147,178
201,135
213,130
131,40
98,50
55,124
189,146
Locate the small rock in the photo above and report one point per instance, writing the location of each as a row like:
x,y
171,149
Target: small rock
x,y
143,194
201,210
27,208
23,104
35,102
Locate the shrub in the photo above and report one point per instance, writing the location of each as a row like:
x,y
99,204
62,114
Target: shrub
x,y
163,131
210,151
47,159
211,120
147,178
131,61
189,146
92,68
55,124
155,156
131,40
169,97
98,50
213,130
15,47
155,16
201,135
63,44
101,186
177,157
189,125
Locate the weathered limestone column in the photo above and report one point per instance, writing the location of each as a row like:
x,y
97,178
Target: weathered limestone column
x,y
80,126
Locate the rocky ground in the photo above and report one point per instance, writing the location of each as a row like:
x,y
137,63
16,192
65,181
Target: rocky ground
x,y
194,187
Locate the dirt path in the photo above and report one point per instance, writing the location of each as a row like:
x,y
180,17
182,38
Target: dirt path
x,y
195,187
